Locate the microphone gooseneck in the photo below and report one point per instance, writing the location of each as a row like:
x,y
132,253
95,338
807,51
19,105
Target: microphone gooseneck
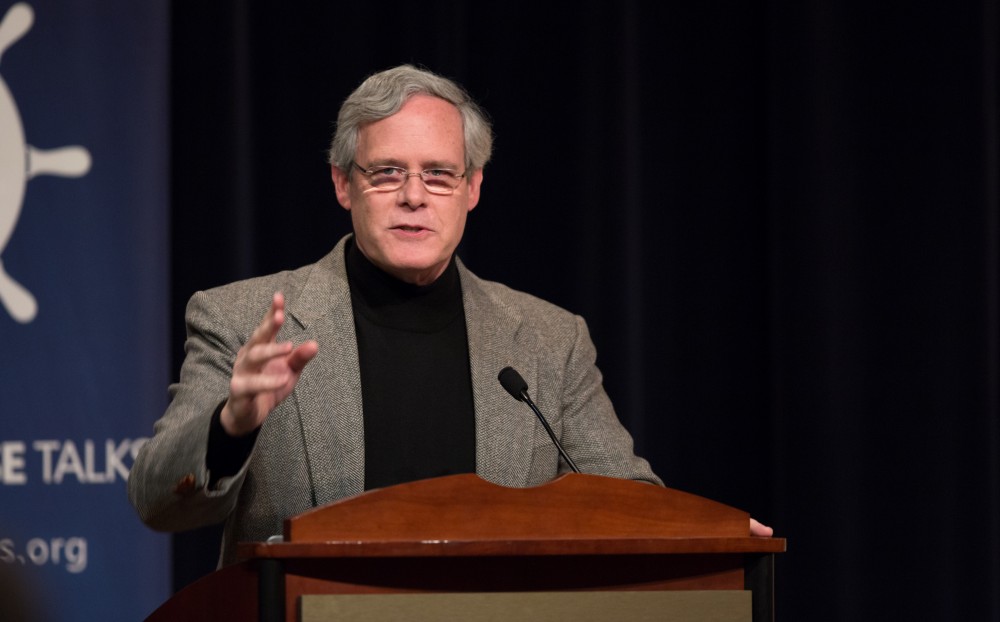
x,y
518,388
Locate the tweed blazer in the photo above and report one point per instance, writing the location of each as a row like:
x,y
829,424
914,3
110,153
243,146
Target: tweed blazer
x,y
310,450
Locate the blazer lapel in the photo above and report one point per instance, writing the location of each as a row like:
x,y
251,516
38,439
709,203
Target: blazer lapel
x,y
328,393
504,439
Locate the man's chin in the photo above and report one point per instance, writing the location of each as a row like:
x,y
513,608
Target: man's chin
x,y
416,270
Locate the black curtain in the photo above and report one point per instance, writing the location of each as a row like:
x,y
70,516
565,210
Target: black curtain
x,y
780,221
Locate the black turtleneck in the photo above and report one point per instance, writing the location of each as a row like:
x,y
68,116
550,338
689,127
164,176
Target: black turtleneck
x,y
416,385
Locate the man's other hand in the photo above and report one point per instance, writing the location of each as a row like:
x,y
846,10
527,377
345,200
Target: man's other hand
x,y
757,529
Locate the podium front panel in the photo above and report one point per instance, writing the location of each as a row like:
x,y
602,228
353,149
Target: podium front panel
x,y
689,606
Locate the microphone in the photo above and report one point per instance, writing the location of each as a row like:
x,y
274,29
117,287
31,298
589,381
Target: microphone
x,y
518,388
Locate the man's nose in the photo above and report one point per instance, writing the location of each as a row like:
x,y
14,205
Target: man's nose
x,y
413,193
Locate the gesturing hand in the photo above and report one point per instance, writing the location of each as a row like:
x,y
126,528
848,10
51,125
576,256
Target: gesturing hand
x,y
264,373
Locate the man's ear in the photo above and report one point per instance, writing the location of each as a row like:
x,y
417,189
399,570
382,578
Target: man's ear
x,y
475,182
341,183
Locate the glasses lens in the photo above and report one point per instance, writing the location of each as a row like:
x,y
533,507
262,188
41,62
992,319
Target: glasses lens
x,y
387,178
440,180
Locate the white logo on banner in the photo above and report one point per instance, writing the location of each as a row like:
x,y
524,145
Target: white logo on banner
x,y
19,162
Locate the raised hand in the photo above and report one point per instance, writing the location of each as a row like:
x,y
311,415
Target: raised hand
x,y
264,374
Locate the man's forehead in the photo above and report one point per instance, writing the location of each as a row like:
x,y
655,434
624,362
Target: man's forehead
x,y
426,130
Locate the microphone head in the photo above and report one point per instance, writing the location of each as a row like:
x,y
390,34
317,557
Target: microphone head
x,y
513,383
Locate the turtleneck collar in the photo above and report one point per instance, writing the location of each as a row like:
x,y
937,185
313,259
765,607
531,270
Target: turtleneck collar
x,y
386,301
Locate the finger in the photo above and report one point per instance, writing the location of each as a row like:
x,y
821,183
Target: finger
x,y
257,356
759,529
269,326
249,385
301,355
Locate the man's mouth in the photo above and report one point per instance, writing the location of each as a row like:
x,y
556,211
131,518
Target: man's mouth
x,y
409,228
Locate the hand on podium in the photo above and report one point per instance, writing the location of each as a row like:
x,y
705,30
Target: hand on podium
x,y
757,529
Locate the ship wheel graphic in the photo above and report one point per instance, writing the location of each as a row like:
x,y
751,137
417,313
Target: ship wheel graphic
x,y
19,162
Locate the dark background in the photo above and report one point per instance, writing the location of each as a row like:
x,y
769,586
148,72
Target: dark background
x,y
780,220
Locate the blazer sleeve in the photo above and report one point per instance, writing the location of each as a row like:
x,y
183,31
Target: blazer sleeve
x,y
169,481
591,431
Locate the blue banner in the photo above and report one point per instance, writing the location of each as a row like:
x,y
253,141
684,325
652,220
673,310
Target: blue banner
x,y
84,334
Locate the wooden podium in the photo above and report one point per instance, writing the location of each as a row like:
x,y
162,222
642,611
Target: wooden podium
x,y
461,548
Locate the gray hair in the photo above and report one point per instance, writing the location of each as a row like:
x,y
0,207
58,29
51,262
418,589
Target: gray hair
x,y
382,94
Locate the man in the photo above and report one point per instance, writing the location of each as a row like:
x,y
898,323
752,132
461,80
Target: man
x,y
378,364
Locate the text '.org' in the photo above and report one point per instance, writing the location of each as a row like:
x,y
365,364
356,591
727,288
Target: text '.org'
x,y
71,553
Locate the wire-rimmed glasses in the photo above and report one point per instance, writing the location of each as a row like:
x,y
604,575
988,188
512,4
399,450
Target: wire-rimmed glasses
x,y
392,178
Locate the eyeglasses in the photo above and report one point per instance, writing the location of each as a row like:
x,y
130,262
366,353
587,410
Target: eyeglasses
x,y
392,178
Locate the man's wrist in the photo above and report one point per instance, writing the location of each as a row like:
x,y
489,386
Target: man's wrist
x,y
226,452
229,422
